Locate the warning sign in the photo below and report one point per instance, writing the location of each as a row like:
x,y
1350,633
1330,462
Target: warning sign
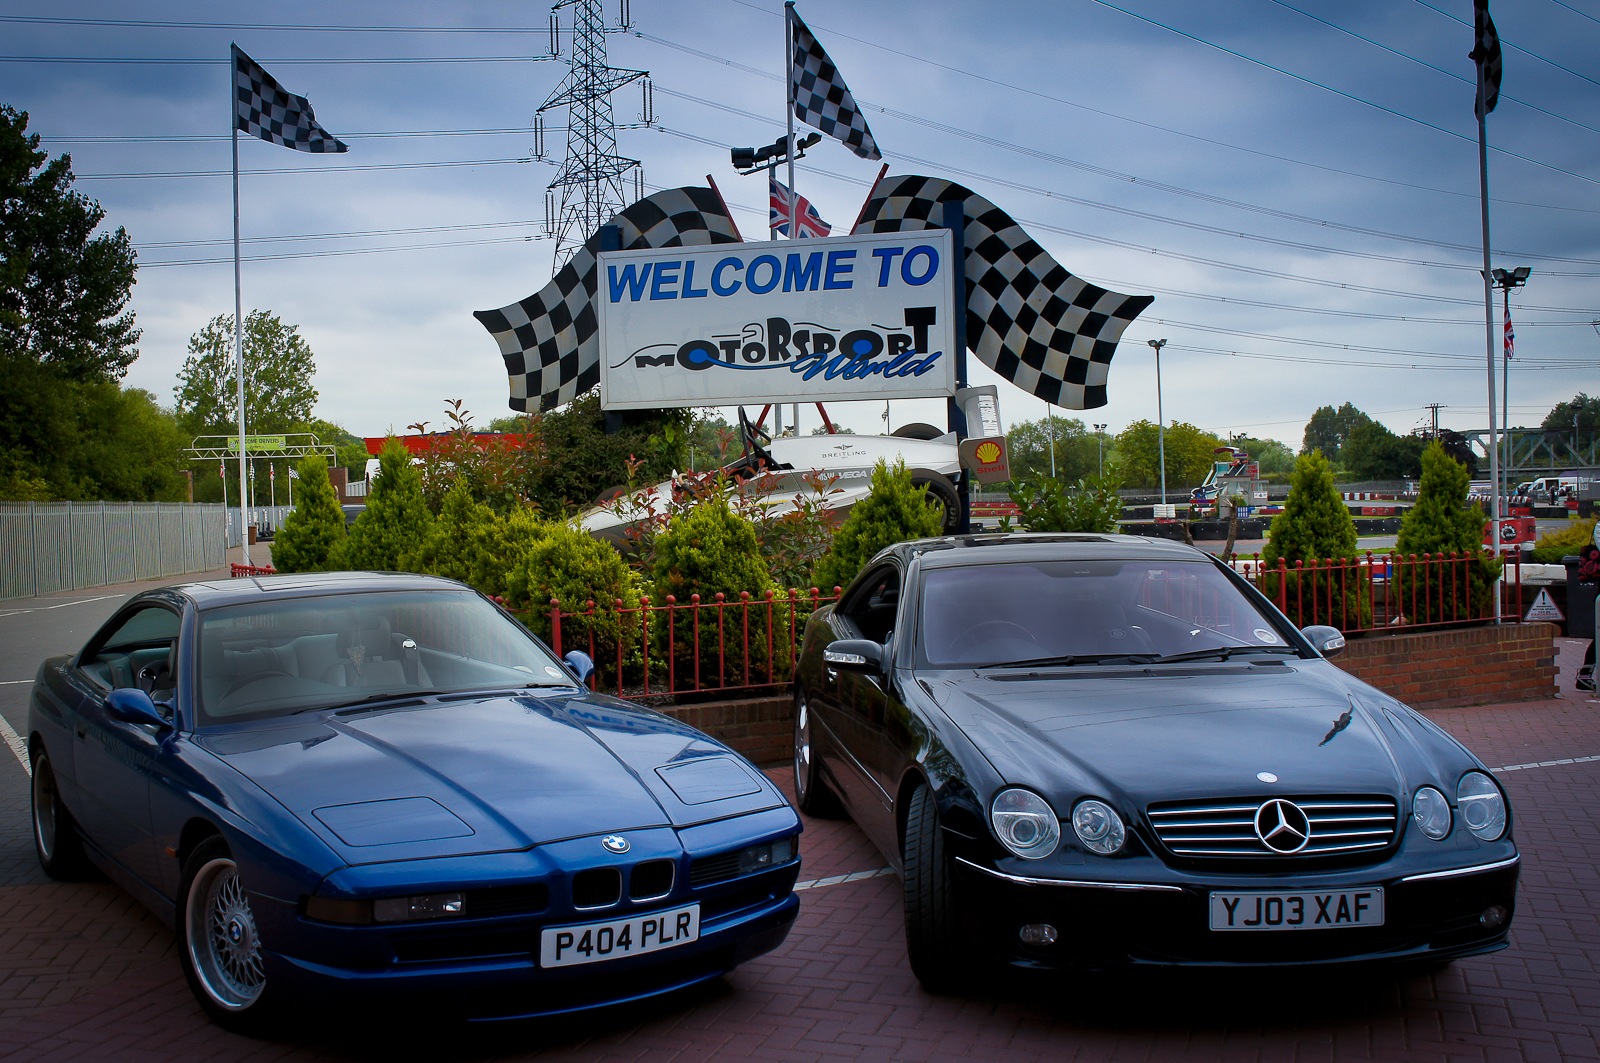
x,y
1544,607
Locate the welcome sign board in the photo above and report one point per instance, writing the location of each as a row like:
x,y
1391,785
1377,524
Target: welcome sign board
x,y
853,317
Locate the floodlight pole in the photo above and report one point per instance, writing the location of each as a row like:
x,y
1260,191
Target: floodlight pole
x,y
1161,419
1100,440
1505,280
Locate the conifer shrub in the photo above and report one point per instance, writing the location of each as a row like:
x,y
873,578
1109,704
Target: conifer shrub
x,y
707,550
894,511
458,540
1315,526
395,522
1046,504
315,526
562,562
1442,523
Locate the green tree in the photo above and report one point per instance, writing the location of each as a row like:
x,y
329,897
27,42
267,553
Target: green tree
x,y
1442,524
1274,459
1372,452
64,290
458,544
1328,428
1028,446
1315,527
1576,421
894,511
314,528
583,459
278,368
1188,451
395,522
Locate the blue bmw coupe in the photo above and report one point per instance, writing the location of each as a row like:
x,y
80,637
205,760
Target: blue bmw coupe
x,y
380,786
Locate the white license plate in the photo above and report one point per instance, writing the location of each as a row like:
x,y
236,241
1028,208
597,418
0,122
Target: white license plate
x,y
566,946
1297,911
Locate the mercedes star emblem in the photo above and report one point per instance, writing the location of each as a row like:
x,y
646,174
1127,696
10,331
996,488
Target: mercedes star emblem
x,y
1282,826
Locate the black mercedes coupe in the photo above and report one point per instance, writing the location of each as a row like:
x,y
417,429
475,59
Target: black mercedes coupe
x,y
1101,751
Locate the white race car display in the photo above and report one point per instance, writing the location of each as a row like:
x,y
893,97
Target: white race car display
x,y
788,467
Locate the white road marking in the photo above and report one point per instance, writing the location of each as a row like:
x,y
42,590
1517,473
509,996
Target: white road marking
x,y
60,605
14,740
839,880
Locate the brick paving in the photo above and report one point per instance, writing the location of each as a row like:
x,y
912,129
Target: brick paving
x,y
86,974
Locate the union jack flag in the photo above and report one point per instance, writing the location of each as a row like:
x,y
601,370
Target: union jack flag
x,y
1511,338
783,204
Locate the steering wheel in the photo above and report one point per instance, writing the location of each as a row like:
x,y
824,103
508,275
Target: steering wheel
x,y
1003,629
754,439
151,675
257,677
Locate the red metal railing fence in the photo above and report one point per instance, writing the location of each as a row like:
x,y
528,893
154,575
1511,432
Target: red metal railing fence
x,y
750,643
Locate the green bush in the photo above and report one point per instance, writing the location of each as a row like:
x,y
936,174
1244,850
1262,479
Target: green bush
x,y
395,522
566,564
1563,542
314,528
894,511
708,550
1315,526
457,542
1441,523
1049,505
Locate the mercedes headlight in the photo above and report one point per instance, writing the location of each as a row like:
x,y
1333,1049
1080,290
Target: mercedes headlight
x,y
1482,805
1025,823
1098,826
1432,813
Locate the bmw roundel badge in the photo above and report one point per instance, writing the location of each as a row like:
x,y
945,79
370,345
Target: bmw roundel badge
x,y
615,843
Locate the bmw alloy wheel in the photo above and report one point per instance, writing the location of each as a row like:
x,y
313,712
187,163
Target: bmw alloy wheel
x,y
221,939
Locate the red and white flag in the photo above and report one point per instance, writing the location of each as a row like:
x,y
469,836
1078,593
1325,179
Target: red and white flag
x,y
784,205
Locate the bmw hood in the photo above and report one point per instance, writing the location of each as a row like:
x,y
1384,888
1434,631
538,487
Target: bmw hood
x,y
1180,732
459,776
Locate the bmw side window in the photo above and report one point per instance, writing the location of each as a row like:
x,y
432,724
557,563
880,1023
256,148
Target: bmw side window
x,y
137,652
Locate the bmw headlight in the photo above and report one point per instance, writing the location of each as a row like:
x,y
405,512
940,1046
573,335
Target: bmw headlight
x,y
1025,823
1482,805
1098,826
1432,813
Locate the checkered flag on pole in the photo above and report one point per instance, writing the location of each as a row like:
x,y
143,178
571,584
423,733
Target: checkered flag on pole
x,y
263,109
819,96
550,340
1048,332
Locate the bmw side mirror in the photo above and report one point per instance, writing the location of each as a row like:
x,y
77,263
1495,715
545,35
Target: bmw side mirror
x,y
580,665
855,655
132,705
1329,641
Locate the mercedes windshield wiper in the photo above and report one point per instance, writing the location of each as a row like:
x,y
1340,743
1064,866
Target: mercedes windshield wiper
x,y
1068,659
1219,652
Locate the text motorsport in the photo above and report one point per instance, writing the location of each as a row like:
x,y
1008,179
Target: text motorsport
x,y
854,317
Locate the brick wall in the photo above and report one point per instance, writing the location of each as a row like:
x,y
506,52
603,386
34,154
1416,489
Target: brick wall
x,y
1463,666
760,728
1426,670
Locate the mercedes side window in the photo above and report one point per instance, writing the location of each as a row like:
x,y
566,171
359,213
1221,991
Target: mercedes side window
x,y
871,607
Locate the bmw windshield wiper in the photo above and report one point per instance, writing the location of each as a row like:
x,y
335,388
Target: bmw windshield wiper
x,y
1219,652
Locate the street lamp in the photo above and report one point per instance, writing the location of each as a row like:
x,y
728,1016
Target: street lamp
x,y
1506,280
1050,414
1161,419
1100,438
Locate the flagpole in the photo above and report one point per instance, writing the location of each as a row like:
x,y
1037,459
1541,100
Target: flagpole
x,y
1488,327
238,320
788,109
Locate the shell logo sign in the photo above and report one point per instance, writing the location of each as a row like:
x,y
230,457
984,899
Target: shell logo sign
x,y
985,457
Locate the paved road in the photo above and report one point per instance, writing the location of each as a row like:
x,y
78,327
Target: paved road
x,y
85,974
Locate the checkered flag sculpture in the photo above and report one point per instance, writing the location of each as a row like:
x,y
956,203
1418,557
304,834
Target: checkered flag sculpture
x,y
550,340
1048,332
819,96
263,109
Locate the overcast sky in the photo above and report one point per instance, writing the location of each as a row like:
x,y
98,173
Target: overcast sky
x,y
1295,181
